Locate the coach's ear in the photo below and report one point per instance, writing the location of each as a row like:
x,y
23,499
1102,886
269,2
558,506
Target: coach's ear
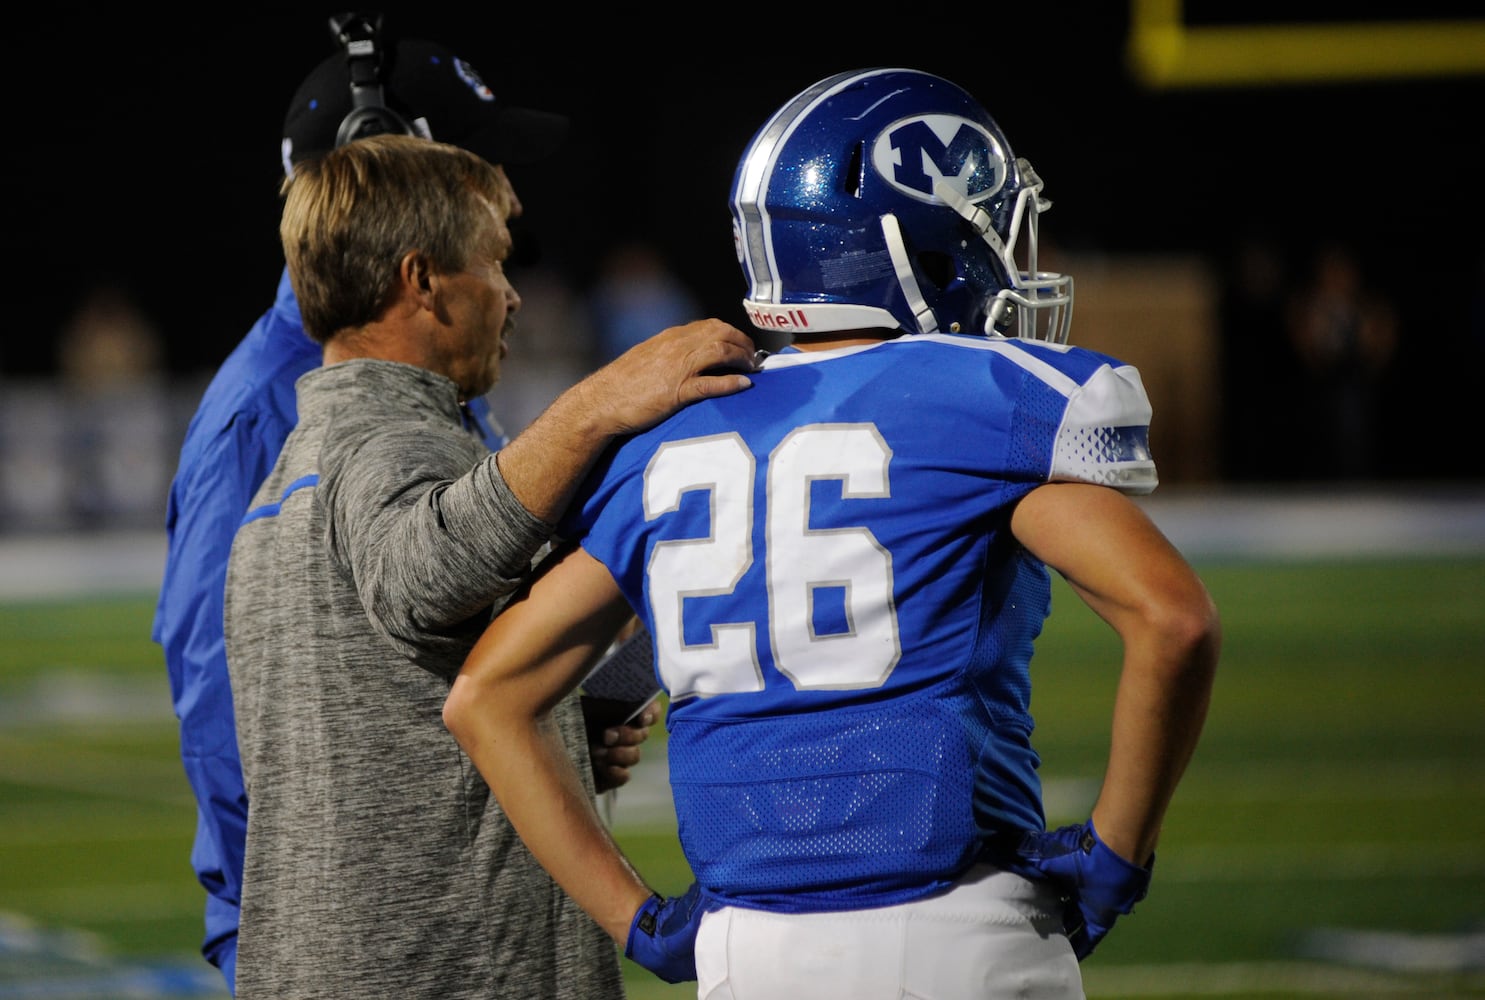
x,y
416,279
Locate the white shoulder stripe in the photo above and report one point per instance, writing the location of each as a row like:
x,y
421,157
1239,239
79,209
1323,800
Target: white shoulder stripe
x,y
1043,371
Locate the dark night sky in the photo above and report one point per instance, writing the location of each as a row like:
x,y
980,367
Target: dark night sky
x,y
144,148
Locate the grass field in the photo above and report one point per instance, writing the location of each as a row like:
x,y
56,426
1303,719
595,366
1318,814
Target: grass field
x,y
1328,841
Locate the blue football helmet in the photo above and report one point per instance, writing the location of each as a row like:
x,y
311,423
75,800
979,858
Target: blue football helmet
x,y
889,198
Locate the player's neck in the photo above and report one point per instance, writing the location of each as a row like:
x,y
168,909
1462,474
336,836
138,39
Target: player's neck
x,y
844,338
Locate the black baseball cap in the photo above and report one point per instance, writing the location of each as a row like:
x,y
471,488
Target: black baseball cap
x,y
437,94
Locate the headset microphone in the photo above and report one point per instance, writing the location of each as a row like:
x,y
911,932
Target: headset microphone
x,y
359,34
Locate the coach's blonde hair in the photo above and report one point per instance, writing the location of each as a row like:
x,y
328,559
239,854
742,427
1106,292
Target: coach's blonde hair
x,y
351,215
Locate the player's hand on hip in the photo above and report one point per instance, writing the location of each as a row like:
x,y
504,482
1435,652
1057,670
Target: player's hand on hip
x,y
674,368
662,936
1099,886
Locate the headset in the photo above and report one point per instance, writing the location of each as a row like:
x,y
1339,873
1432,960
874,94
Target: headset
x,y
360,35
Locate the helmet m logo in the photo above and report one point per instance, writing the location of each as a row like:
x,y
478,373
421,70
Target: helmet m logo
x,y
913,153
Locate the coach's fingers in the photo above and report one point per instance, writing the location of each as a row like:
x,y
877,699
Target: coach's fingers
x,y
675,367
611,766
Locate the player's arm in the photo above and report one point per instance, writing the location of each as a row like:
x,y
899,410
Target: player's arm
x,y
532,655
1120,564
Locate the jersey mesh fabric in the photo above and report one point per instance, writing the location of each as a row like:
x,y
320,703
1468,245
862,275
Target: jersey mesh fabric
x,y
854,807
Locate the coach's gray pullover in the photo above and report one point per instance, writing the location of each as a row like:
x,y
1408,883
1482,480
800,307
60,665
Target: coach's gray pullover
x,y
378,864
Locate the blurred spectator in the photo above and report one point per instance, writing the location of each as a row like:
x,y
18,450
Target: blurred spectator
x,y
33,434
1344,334
552,348
1255,352
108,341
110,357
88,448
636,295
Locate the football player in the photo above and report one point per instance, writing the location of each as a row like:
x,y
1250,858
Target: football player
x,y
844,571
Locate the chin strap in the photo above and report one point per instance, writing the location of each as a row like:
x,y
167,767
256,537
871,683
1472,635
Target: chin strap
x,y
971,213
997,313
892,233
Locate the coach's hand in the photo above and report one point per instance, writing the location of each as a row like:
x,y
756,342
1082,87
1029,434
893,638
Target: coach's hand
x,y
613,746
662,936
676,367
1099,885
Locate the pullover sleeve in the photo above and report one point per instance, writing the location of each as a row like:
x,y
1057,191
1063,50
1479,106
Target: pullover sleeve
x,y
424,523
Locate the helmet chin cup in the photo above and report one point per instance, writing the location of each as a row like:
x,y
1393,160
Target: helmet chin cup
x,y
999,316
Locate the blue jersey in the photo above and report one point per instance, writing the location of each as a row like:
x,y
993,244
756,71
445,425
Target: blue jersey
x,y
840,614
231,445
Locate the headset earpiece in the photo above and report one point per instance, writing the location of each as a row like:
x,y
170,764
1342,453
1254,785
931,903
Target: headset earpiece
x,y
362,122
360,35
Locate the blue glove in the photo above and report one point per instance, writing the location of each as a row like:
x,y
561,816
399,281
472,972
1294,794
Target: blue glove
x,y
662,936
1099,885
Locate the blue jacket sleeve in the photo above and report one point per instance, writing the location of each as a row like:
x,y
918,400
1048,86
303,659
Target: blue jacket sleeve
x,y
212,490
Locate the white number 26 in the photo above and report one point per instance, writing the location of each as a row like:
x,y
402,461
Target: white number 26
x,y
840,567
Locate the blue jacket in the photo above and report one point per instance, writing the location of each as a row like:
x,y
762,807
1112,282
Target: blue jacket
x,y
230,447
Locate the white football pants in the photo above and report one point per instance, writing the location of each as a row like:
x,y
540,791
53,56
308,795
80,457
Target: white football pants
x,y
993,936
